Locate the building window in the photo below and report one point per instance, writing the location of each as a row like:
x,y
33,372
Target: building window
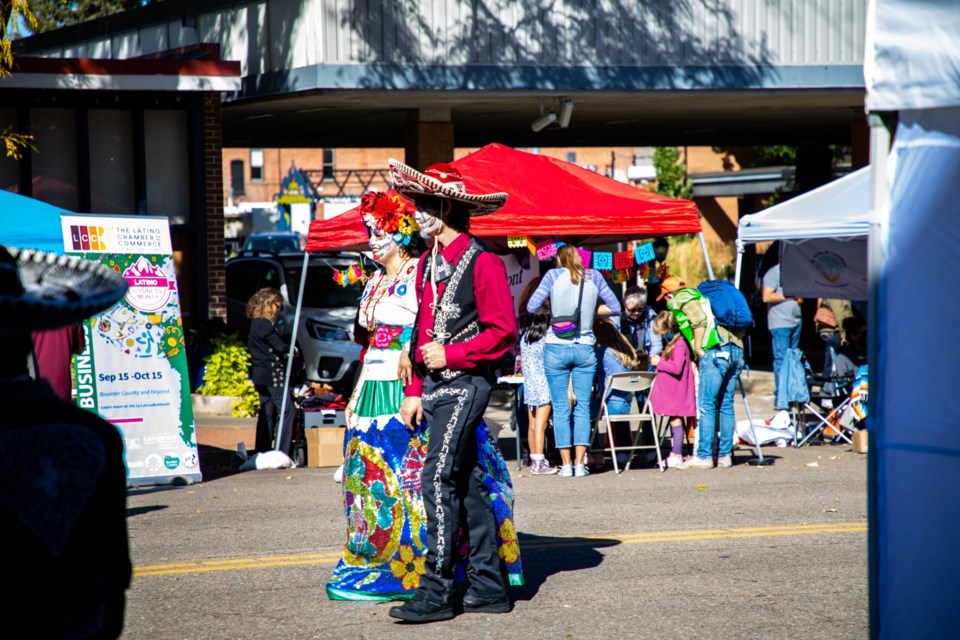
x,y
112,161
168,164
572,157
328,164
55,175
236,178
256,165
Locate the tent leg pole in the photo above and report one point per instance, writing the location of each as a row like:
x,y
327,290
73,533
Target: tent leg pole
x,y
706,256
736,273
293,347
759,460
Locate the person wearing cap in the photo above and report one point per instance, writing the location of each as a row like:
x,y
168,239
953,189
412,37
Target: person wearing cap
x,y
719,353
464,323
63,504
636,323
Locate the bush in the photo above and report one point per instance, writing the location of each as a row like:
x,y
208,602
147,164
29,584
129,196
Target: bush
x,y
227,374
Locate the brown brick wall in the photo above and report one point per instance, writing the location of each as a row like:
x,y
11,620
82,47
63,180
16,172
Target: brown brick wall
x,y
213,185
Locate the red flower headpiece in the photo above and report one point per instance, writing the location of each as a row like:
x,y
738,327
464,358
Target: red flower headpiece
x,y
389,215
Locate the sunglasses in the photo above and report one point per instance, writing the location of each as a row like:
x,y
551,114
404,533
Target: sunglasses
x,y
633,309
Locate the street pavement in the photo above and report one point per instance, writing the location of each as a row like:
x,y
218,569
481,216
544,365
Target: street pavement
x,y
776,552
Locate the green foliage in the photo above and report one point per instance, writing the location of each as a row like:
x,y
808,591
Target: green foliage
x,y
773,155
13,14
671,173
227,374
53,14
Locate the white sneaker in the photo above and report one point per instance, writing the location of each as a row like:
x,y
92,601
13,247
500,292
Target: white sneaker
x,y
581,470
696,462
724,462
338,475
566,471
675,461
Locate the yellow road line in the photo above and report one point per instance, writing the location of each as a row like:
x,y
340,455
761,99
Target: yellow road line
x,y
550,543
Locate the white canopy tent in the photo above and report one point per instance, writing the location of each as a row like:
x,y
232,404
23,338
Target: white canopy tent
x,y
823,236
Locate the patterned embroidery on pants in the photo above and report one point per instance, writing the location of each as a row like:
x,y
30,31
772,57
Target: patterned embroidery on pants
x,y
442,463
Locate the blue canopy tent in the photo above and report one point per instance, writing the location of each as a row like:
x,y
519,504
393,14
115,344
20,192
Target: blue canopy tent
x,y
912,67
26,223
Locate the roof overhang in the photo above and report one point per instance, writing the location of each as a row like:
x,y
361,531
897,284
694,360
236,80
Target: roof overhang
x,y
123,75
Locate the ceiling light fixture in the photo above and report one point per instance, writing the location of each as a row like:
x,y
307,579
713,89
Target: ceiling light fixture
x,y
561,106
544,121
566,111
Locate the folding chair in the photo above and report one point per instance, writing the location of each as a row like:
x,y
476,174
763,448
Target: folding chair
x,y
829,402
631,382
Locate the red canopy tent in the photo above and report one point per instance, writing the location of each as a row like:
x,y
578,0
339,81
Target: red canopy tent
x,y
548,197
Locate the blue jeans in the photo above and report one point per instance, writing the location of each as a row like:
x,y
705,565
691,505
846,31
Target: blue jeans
x,y
783,339
561,363
719,369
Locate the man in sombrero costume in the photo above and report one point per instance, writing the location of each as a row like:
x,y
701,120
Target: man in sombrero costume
x,y
465,322
63,497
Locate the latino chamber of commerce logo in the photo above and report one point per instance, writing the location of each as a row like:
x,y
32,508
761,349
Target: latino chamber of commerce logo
x,y
830,265
87,238
150,288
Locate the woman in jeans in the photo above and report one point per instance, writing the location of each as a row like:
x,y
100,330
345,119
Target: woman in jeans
x,y
569,353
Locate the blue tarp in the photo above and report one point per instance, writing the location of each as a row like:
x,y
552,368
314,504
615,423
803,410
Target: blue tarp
x,y
26,223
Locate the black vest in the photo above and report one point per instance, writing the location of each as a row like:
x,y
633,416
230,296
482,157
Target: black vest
x,y
455,318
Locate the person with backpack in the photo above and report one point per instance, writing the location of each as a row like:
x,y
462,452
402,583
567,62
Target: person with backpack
x,y
719,353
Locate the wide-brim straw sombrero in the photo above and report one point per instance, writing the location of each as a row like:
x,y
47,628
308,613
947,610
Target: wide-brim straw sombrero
x,y
44,291
442,181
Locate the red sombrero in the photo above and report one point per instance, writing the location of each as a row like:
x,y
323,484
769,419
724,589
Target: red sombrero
x,y
442,181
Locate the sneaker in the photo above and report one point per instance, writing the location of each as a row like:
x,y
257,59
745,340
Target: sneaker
x,y
724,462
566,471
338,475
581,470
675,461
542,468
696,462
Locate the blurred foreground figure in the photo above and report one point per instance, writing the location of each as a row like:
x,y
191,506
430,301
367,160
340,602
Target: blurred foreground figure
x,y
62,481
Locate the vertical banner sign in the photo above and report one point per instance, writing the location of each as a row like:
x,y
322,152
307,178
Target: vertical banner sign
x,y
133,371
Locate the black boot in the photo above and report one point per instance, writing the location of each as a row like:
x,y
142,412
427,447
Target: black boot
x,y
478,604
419,609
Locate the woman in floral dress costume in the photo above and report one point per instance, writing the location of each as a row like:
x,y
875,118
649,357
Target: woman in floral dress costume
x,y
386,529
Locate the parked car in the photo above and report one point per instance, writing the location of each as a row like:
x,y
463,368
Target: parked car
x,y
325,335
274,241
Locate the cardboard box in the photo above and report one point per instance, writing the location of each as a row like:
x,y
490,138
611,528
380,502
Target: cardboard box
x,y
860,441
324,447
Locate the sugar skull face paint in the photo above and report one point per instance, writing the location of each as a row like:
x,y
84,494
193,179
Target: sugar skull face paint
x,y
382,245
429,215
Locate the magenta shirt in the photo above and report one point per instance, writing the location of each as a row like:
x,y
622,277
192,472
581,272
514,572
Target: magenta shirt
x,y
673,393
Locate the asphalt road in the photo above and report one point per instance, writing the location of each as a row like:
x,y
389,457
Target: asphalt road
x,y
772,552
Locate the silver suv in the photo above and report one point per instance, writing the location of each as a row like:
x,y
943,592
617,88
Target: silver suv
x,y
325,336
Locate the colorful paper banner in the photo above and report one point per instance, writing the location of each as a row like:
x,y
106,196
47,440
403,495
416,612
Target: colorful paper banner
x,y
623,259
585,257
546,249
603,260
644,253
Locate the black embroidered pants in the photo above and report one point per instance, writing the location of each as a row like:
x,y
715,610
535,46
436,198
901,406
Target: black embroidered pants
x,y
453,494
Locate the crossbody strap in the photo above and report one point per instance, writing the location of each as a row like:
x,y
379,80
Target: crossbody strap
x,y
579,304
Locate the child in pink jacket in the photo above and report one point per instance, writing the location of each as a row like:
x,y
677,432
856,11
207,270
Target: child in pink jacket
x,y
673,392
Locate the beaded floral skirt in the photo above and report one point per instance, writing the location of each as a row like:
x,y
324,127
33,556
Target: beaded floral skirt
x,y
383,556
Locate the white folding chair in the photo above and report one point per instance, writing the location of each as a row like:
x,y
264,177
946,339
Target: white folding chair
x,y
631,382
